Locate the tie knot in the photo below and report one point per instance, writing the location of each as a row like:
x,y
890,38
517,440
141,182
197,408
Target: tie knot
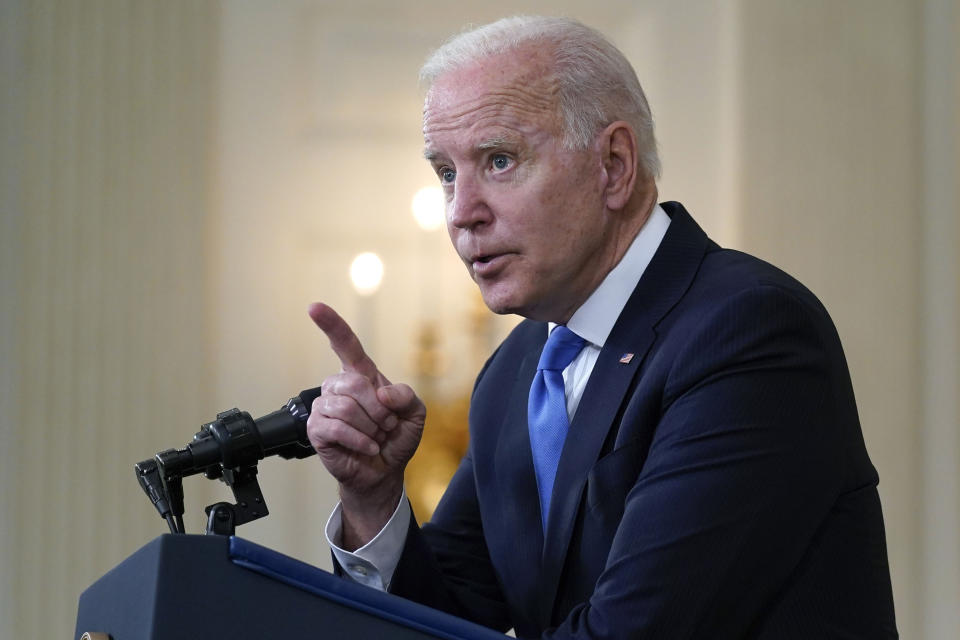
x,y
562,347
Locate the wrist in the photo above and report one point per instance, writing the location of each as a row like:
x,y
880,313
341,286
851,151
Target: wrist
x,y
365,513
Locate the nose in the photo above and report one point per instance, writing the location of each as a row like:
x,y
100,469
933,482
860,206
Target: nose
x,y
468,208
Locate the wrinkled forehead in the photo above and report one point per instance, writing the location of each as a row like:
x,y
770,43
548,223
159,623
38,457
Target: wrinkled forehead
x,y
516,85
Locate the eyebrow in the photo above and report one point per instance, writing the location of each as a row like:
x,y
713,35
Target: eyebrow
x,y
492,143
486,145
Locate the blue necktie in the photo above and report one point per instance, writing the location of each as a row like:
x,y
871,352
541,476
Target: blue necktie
x,y
547,410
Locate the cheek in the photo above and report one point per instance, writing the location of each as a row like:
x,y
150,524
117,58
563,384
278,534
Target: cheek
x,y
454,234
566,219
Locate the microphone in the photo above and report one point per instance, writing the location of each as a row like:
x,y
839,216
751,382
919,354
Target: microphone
x,y
228,448
235,440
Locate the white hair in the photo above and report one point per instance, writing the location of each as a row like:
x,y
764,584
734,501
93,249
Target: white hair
x,y
596,83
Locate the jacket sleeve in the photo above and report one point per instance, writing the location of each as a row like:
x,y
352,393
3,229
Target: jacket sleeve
x,y
446,564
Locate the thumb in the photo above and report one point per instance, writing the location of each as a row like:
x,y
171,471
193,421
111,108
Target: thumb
x,y
402,400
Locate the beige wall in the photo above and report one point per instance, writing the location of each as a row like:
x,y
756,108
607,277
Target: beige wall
x,y
106,177
830,182
181,179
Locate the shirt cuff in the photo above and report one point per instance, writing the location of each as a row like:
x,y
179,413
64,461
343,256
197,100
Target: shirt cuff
x,y
372,564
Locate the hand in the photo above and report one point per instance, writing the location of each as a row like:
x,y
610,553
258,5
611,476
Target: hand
x,y
364,429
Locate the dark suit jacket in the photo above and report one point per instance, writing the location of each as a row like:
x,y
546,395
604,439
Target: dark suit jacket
x,y
715,486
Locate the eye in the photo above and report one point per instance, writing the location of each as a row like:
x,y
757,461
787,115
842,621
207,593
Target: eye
x,y
447,175
500,161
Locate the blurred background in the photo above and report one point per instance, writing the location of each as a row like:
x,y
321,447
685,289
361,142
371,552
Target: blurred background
x,y
181,178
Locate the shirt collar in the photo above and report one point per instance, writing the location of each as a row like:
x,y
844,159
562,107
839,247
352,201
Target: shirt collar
x,y
595,318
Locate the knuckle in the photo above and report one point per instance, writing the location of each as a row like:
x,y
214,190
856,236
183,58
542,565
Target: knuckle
x,y
331,406
378,413
353,384
318,433
344,435
328,385
336,430
343,405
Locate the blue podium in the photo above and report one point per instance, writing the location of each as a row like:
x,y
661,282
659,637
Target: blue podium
x,y
192,586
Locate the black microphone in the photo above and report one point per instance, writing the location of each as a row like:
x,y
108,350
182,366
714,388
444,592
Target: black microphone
x,y
235,440
228,448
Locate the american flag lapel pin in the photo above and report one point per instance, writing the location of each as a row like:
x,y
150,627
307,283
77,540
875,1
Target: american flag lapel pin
x,y
626,358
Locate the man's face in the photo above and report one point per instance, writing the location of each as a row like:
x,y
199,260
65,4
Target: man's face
x,y
525,215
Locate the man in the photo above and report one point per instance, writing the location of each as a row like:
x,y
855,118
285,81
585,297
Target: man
x,y
697,470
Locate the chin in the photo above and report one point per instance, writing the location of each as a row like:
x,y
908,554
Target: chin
x,y
499,303
499,309
504,304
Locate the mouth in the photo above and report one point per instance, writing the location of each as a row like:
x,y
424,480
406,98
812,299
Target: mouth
x,y
488,264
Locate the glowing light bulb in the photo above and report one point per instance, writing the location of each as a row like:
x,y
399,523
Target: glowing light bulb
x,y
428,208
366,273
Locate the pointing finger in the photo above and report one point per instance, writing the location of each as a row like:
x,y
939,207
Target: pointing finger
x,y
345,343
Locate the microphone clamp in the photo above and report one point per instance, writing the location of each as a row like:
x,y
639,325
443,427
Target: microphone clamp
x,y
228,449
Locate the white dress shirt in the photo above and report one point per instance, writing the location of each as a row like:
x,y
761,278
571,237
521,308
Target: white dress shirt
x,y
374,563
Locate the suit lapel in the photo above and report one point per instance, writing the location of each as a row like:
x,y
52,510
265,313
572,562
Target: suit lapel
x,y
666,278
514,457
516,485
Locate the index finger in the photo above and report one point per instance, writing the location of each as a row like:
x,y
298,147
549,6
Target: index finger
x,y
345,343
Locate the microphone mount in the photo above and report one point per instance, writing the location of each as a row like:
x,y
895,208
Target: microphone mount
x,y
228,449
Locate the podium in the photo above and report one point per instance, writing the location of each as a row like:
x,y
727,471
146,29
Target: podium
x,y
178,587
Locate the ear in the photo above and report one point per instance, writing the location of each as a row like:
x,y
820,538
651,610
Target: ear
x,y
620,163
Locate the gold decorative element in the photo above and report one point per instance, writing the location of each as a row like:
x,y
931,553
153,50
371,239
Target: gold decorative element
x,y
445,435
429,363
444,442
